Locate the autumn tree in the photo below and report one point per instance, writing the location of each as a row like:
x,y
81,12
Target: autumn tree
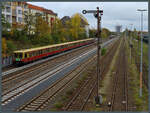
x,y
135,34
105,33
30,22
76,26
92,33
4,47
41,27
41,31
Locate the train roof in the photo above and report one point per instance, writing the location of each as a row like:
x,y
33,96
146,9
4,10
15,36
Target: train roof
x,y
45,47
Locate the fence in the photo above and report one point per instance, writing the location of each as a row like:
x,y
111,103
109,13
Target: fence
x,y
6,61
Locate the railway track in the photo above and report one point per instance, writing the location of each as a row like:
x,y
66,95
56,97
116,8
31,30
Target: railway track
x,y
83,94
42,61
19,90
19,78
40,101
119,97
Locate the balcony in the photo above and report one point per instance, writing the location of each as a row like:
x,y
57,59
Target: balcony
x,y
8,10
14,20
8,4
14,12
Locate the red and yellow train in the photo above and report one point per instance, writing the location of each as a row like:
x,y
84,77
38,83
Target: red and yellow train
x,y
29,55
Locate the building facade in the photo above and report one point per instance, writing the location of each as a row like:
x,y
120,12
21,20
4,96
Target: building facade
x,y
14,13
48,15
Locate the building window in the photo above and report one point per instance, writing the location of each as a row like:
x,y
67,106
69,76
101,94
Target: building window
x,y
14,19
8,3
14,12
25,12
3,10
8,9
19,4
8,18
19,11
52,20
19,19
25,6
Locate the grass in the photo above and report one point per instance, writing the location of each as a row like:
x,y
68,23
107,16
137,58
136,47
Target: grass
x,y
58,105
145,50
103,51
65,96
140,102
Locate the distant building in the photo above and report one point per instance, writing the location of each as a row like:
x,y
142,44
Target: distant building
x,y
64,20
118,28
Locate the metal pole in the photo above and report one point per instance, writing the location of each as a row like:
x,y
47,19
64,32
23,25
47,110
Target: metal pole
x,y
98,98
141,63
141,67
98,50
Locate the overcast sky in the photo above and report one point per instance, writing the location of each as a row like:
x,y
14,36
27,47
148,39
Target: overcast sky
x,y
115,13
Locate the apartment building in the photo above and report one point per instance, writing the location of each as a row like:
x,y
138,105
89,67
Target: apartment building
x,y
14,12
48,15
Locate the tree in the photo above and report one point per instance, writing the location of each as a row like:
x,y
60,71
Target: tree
x,y
76,26
59,32
92,33
4,47
135,34
105,33
41,30
10,47
29,23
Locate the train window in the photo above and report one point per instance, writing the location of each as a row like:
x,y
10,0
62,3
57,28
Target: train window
x,y
20,55
15,55
36,53
30,54
25,55
48,49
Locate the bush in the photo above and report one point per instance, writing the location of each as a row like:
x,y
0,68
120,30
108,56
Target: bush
x,y
103,51
10,47
58,105
56,38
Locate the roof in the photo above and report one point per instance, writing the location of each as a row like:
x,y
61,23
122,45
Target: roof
x,y
64,19
83,19
50,12
50,46
35,7
30,6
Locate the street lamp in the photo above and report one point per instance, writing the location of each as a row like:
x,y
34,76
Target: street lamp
x,y
141,71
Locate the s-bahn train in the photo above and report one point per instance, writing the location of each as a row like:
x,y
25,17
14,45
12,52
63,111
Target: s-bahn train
x,y
33,54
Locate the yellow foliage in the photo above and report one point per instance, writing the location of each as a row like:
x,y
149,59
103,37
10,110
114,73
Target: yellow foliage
x,y
75,26
42,28
4,47
105,33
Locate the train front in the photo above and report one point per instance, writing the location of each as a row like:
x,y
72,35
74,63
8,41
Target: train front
x,y
17,58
